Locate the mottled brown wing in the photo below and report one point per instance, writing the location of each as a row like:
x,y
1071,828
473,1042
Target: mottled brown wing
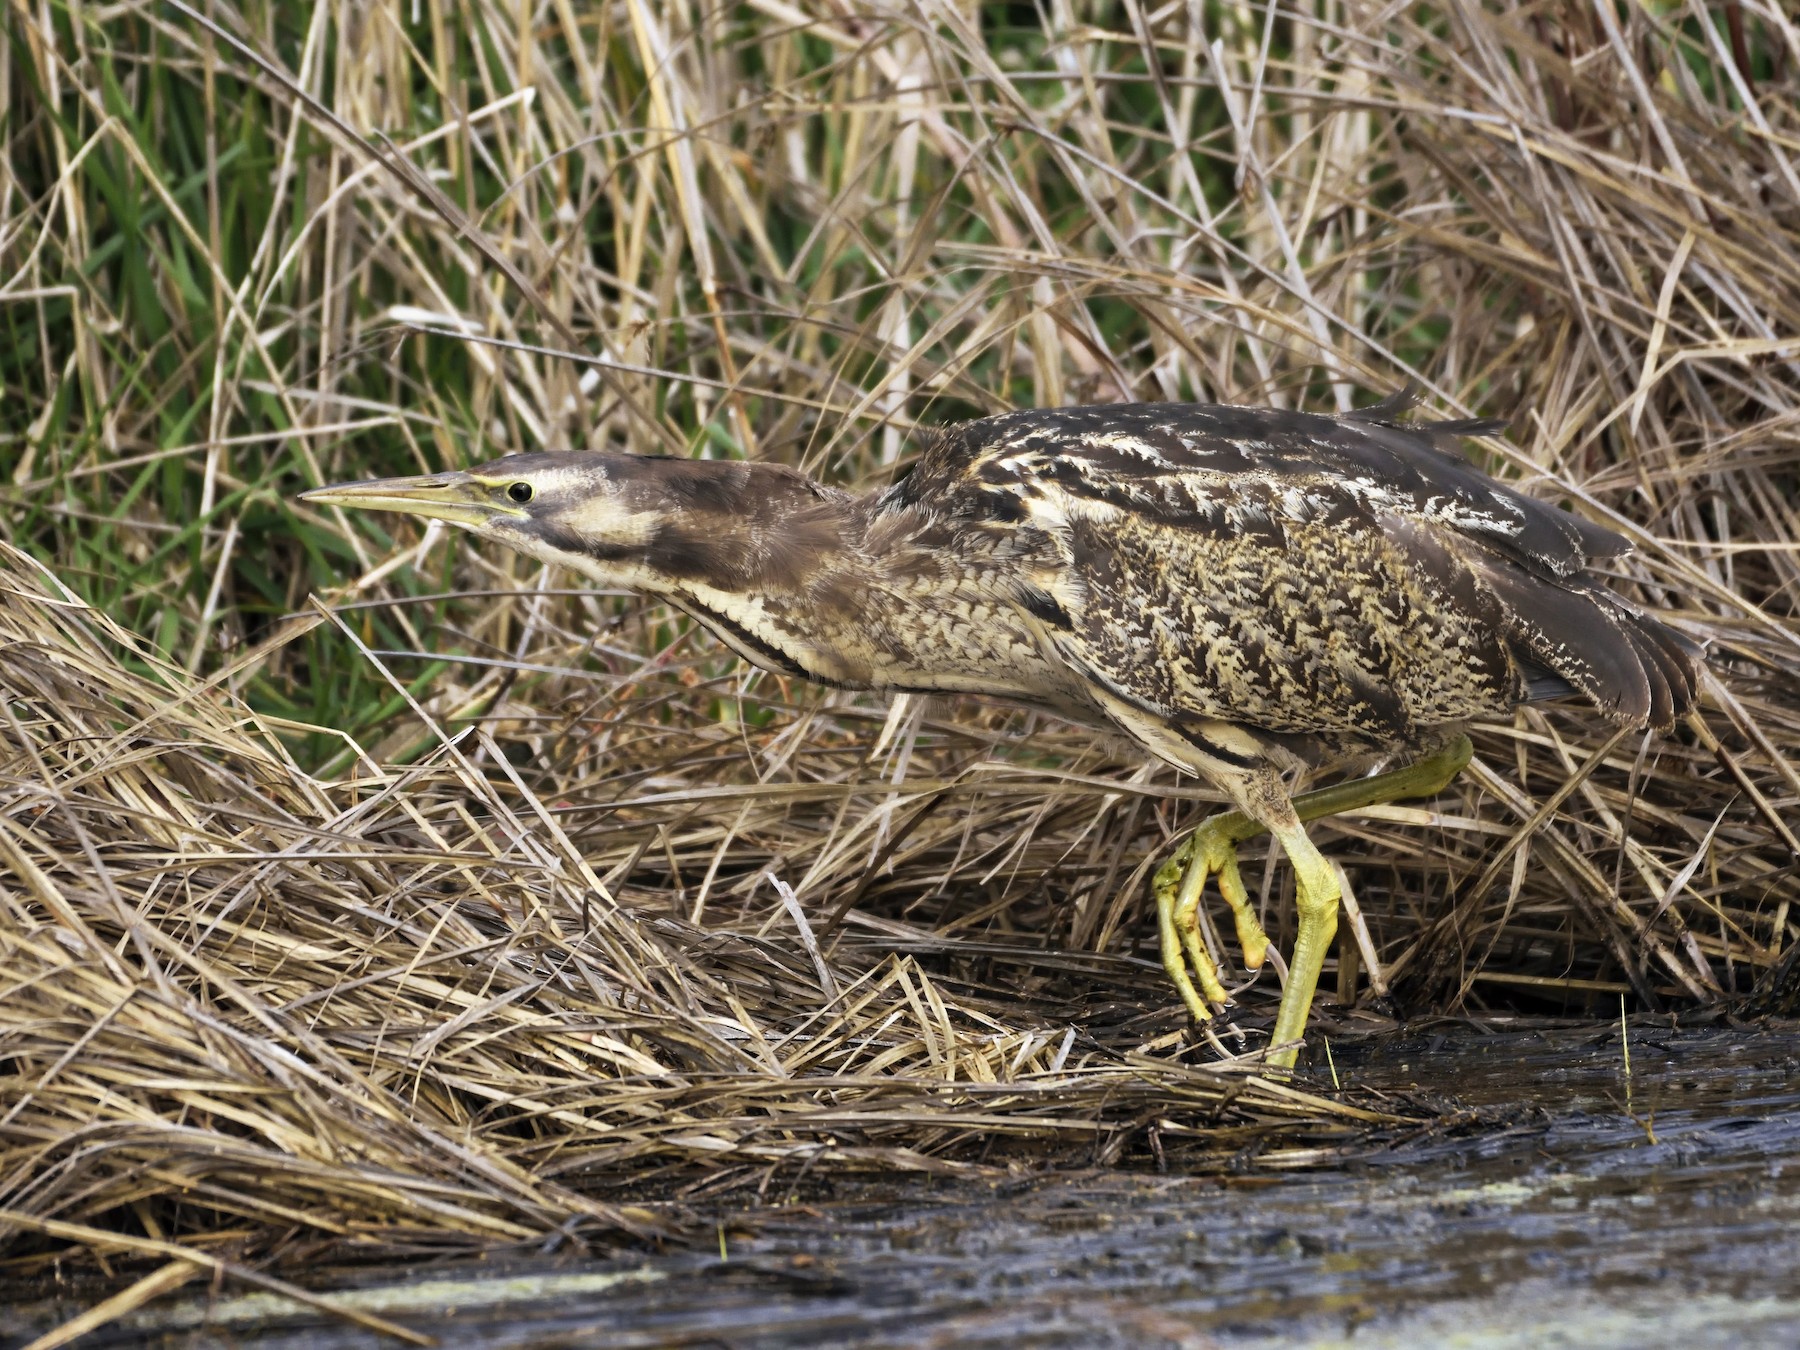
x,y
1149,457
1304,574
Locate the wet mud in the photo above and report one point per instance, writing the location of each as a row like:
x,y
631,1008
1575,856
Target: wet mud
x,y
1555,1201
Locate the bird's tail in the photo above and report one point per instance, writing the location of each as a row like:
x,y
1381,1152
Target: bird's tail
x,y
1633,667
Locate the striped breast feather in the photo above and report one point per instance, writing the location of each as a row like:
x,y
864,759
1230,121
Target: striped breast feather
x,y
1177,462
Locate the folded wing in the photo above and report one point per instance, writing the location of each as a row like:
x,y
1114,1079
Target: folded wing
x,y
1297,573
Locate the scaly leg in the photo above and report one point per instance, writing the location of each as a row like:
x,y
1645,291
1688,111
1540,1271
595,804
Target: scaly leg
x,y
1211,850
1316,896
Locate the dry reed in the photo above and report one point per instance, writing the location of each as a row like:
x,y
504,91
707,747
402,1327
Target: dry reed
x,y
455,907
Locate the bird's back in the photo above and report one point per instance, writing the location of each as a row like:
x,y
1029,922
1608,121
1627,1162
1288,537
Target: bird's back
x,y
1296,574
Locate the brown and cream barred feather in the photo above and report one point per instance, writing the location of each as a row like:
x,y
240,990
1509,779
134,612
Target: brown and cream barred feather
x,y
1346,581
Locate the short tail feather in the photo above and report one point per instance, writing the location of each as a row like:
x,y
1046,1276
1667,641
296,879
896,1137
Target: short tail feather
x,y
1672,664
1634,668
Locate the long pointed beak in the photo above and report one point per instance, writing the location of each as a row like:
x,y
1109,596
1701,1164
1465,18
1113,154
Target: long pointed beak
x,y
455,497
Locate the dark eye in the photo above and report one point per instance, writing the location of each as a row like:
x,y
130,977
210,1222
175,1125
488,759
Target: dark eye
x,y
521,492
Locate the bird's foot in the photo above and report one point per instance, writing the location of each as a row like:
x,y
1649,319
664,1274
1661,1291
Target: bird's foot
x,y
1211,850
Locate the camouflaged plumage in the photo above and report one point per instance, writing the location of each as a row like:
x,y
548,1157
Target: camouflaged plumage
x,y
1338,581
1231,586
1238,589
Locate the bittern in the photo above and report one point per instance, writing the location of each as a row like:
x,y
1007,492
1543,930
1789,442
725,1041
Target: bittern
x,y
1247,593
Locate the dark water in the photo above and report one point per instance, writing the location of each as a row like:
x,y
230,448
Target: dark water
x,y
1540,1214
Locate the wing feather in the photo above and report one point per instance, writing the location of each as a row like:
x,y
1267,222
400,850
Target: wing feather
x,y
1165,456
1300,573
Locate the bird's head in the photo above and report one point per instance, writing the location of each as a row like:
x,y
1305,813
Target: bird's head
x,y
641,521
571,509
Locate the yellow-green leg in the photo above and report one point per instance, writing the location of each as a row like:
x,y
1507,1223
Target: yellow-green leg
x,y
1316,897
1212,851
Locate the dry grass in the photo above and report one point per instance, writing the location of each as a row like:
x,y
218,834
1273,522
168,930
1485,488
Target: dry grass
x,y
457,908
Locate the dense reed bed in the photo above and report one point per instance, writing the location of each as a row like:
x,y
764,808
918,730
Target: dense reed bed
x,y
372,892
